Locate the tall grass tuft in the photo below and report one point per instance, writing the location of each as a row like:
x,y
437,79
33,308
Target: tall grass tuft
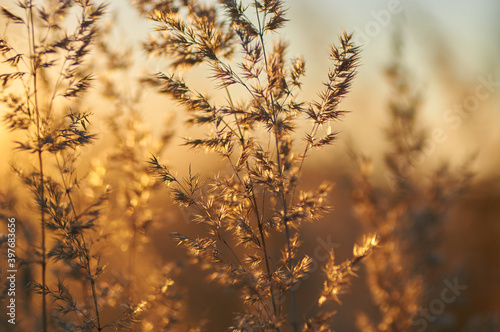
x,y
79,208
51,72
254,212
407,271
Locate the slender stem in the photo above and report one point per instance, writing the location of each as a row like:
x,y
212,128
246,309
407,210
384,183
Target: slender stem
x,y
221,238
34,71
260,219
242,138
253,201
266,259
287,234
243,267
82,245
314,131
56,87
92,282
44,261
131,259
303,157
282,189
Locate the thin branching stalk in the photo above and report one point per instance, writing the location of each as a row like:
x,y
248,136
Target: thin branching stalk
x,y
253,200
264,168
81,244
34,72
295,322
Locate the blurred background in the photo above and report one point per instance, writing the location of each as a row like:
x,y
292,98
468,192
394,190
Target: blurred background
x,y
451,52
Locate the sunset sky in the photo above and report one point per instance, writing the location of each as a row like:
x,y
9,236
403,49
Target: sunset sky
x,y
448,45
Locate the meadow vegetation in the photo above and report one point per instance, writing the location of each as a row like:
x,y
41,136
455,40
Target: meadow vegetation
x,y
94,203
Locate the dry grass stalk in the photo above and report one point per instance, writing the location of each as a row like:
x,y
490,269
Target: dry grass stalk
x,y
256,203
53,75
404,273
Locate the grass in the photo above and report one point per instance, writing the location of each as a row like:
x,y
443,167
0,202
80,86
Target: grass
x,y
91,244
259,201
406,273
